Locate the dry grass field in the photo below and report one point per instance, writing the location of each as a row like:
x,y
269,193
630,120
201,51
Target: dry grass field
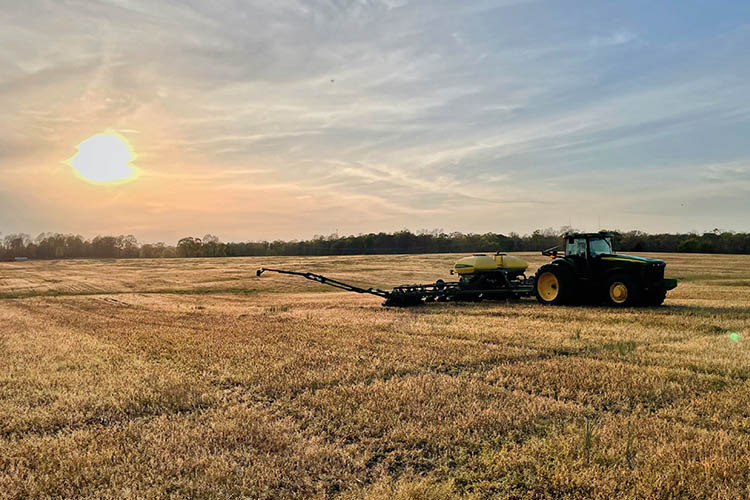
x,y
194,378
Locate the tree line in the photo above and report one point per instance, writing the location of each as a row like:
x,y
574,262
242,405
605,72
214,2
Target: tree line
x,y
67,246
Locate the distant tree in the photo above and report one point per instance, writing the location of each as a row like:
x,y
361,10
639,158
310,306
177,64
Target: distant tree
x,y
104,247
127,247
15,245
188,247
153,250
75,246
210,246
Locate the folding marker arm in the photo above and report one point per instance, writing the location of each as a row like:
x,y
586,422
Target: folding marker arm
x,y
327,281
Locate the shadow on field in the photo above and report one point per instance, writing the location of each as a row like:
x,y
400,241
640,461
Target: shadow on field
x,y
738,312
521,307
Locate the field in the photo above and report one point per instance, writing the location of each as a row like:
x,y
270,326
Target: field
x,y
194,378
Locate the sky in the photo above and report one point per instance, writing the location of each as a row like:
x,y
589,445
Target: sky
x,y
287,119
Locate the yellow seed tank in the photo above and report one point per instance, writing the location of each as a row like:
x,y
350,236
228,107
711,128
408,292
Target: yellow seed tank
x,y
487,263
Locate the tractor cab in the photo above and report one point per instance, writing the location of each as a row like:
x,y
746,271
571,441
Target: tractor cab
x,y
583,246
588,245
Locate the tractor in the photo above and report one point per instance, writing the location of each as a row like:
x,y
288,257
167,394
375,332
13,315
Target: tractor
x,y
589,269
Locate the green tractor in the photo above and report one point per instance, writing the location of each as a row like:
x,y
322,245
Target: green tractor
x,y
590,269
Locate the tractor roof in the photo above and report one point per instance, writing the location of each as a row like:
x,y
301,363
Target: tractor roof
x,y
600,234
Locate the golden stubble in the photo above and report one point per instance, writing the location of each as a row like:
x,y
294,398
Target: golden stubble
x,y
193,378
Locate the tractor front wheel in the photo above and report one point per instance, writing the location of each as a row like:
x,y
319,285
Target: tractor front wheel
x,y
622,291
552,285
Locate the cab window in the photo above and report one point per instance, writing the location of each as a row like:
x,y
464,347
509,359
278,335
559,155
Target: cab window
x,y
600,246
576,248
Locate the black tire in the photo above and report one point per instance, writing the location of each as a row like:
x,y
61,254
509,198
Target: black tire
x,y
553,285
622,291
655,298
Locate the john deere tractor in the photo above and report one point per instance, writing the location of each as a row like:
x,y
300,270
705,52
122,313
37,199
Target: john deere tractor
x,y
590,269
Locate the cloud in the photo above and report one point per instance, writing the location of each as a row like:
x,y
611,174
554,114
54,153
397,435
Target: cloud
x,y
420,113
732,173
620,37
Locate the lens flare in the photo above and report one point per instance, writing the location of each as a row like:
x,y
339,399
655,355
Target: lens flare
x,y
105,159
734,336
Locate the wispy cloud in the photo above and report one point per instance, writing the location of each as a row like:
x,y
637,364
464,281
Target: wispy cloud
x,y
620,37
728,173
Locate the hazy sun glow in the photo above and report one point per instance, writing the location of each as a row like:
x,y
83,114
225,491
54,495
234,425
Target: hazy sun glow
x,y
105,159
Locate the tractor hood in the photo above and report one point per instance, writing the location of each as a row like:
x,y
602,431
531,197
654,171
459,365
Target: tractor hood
x,y
632,258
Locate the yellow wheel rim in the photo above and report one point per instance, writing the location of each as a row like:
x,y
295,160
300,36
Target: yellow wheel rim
x,y
548,287
618,292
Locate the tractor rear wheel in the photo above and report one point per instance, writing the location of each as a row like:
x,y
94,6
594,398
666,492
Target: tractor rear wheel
x,y
552,285
622,291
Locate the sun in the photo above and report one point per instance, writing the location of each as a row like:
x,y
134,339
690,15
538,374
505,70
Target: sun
x,y
105,159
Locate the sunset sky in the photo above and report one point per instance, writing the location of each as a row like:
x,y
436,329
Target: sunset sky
x,y
285,119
